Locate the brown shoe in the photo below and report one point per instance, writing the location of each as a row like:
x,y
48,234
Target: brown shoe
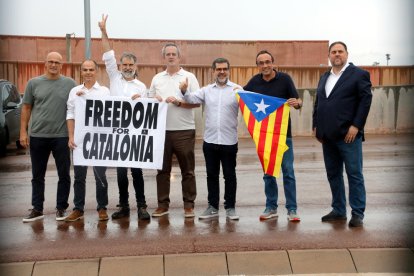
x,y
74,216
160,212
102,214
189,213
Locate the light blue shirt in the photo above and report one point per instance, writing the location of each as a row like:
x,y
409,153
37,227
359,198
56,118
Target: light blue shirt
x,y
220,110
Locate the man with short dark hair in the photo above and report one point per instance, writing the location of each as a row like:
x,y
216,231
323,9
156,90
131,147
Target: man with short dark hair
x,y
220,136
44,105
343,100
89,87
277,84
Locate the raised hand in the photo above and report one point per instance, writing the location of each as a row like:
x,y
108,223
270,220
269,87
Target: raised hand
x,y
183,86
102,24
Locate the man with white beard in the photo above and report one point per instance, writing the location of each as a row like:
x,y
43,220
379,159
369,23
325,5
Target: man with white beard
x,y
123,82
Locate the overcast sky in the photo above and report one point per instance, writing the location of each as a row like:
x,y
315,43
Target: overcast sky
x,y
370,28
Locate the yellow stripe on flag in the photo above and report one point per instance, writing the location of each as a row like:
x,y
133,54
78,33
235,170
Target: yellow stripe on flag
x,y
269,138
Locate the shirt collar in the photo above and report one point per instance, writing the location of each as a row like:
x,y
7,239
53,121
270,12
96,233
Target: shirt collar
x,y
342,70
94,86
228,83
180,72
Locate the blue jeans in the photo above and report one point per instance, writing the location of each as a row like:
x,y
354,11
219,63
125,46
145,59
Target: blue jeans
x,y
137,181
40,149
226,155
335,155
79,187
289,182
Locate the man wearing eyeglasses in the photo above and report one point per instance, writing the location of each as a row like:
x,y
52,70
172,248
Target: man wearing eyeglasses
x,y
220,136
44,105
277,84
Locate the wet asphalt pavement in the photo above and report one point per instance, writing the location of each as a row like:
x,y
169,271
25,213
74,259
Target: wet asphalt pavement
x,y
388,170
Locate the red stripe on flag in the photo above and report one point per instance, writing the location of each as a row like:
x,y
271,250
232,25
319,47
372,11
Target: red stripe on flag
x,y
275,140
252,122
241,104
262,140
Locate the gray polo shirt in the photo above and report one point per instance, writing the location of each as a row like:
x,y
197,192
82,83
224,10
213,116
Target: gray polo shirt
x,y
48,100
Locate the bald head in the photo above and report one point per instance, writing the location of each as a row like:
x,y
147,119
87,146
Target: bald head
x,y
53,65
54,55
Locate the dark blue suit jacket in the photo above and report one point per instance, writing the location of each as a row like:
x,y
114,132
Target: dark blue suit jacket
x,y
348,104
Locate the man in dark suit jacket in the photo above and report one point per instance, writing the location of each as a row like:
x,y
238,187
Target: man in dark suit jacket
x,y
341,109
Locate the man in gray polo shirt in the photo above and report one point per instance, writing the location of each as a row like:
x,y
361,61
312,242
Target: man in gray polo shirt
x,y
44,105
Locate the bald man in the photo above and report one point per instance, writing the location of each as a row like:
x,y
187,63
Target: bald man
x,y
44,106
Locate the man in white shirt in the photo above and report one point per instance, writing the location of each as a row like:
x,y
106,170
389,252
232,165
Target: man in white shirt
x,y
220,136
124,83
89,87
180,131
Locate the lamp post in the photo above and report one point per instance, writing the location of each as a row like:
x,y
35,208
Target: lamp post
x,y
87,14
388,57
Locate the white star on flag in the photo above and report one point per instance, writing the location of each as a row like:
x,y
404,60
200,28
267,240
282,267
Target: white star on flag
x,y
261,107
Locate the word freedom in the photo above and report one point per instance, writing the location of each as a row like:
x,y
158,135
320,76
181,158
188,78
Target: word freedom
x,y
122,117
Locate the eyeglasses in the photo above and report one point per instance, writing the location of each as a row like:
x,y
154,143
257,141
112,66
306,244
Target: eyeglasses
x,y
222,69
266,62
51,62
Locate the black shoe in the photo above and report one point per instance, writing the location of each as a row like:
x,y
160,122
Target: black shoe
x,y
333,216
34,215
121,213
355,221
143,214
60,214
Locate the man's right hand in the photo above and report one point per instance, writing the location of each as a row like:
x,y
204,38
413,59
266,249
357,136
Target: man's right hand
x,y
102,24
184,86
24,140
71,143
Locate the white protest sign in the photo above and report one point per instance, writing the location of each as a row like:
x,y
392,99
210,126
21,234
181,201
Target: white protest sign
x,y
119,132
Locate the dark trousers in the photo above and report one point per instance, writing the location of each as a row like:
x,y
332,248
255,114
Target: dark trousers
x,y
226,155
181,143
79,187
138,182
40,149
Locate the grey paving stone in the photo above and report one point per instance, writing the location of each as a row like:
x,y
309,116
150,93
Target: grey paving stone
x,y
132,266
258,263
196,264
16,269
87,267
383,259
321,261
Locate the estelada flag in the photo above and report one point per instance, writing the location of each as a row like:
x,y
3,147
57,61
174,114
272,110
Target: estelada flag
x,y
267,120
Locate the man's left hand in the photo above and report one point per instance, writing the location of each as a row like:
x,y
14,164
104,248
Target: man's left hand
x,y
352,133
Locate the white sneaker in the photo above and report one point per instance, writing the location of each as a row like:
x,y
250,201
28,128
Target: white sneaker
x,y
210,212
268,214
293,216
231,213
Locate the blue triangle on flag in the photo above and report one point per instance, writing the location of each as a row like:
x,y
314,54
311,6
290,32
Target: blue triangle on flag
x,y
260,105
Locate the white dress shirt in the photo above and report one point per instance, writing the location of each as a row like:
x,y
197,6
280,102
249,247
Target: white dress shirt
x,y
166,85
96,90
333,79
117,84
221,111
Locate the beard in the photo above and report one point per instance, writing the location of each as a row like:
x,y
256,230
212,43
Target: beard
x,y
221,81
128,75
